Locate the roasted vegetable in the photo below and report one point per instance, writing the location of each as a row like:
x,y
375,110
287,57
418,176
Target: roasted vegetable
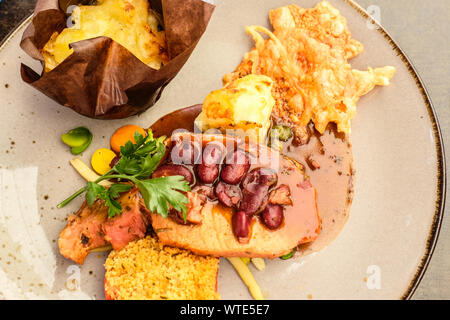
x,y
125,134
259,263
247,277
281,132
79,139
101,159
87,172
137,162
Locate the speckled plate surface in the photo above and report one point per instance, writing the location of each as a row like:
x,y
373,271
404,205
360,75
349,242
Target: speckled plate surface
x,y
381,253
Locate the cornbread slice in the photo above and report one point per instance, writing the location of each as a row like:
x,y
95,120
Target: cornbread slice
x,y
148,270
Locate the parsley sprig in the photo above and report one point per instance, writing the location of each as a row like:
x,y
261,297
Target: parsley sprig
x,y
137,162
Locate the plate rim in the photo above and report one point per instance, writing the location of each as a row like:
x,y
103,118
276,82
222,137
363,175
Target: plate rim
x,y
441,187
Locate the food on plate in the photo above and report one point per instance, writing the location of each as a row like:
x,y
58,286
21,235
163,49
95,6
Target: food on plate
x,y
117,58
87,173
243,105
247,277
118,213
258,263
78,139
101,160
91,227
327,160
135,163
306,57
261,202
289,255
323,23
124,134
123,276
131,23
269,176
281,132
146,269
262,209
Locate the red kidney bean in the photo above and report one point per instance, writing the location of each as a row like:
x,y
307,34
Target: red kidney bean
x,y
114,161
185,152
173,170
255,189
254,198
229,195
207,174
268,177
236,168
264,176
241,226
206,191
272,216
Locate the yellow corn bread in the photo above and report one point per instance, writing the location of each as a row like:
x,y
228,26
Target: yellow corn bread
x,y
243,105
145,269
128,22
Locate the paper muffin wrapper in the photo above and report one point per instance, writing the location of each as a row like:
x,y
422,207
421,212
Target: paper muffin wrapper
x,y
102,79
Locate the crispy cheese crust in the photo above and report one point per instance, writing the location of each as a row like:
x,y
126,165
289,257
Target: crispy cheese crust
x,y
306,56
148,270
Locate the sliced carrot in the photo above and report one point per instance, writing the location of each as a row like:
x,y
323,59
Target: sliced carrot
x,y
125,134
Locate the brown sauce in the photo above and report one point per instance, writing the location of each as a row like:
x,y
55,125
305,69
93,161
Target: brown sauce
x,y
328,162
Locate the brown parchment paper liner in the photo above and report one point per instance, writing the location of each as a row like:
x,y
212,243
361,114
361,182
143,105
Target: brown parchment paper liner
x,y
102,79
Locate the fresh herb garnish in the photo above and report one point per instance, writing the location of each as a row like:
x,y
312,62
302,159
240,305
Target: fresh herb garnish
x,y
109,195
137,162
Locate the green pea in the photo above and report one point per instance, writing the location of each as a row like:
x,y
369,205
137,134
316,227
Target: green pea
x,y
78,139
282,132
289,255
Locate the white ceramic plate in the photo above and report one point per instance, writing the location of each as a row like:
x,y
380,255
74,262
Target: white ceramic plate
x,y
383,250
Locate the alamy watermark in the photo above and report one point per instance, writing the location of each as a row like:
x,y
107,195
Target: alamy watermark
x,y
375,16
373,277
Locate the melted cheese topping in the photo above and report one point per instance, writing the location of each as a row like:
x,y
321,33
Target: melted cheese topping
x,y
128,22
243,106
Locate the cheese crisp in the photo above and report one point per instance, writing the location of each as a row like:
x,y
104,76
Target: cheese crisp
x,y
128,22
243,105
306,56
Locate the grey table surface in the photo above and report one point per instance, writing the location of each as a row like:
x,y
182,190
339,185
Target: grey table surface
x,y
421,28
